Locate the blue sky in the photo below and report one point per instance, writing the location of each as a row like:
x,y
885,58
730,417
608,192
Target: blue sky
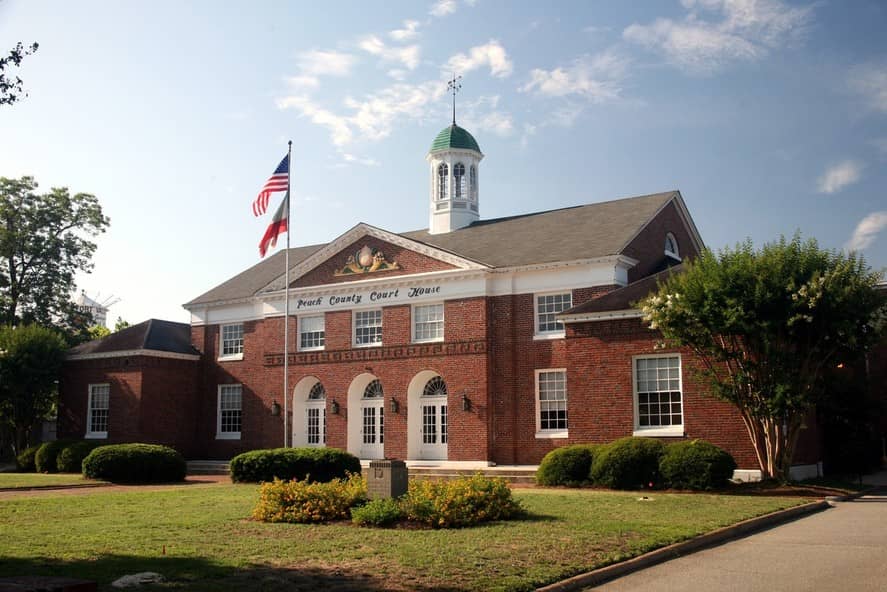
x,y
770,117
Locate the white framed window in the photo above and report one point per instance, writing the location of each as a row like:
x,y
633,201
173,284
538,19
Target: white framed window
x,y
97,409
459,181
658,395
428,322
312,333
367,328
230,414
231,342
442,172
547,307
671,247
551,403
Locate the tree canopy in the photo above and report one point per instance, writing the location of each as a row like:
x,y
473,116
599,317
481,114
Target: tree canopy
x,y
30,359
11,87
44,241
767,324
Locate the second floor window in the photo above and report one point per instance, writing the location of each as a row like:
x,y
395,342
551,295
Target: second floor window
x,y
368,327
311,333
232,340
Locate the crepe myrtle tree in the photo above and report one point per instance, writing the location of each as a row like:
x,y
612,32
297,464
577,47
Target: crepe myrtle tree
x,y
767,324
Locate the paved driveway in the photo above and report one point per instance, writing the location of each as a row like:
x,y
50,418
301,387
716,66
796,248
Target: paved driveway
x,y
843,549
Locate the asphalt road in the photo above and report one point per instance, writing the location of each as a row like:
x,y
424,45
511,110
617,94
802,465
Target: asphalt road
x,y
840,549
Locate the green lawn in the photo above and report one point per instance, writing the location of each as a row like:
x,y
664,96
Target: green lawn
x,y
210,544
25,480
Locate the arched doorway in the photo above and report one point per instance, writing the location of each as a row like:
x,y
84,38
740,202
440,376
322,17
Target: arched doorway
x,y
427,417
366,417
309,413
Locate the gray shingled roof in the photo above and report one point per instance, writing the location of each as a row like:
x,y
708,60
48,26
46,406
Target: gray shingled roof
x,y
580,232
152,334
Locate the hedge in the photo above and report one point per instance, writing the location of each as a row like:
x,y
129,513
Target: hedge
x,y
24,461
70,458
696,464
628,463
46,458
286,464
135,463
567,465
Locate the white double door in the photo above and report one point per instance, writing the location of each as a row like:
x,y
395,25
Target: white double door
x,y
433,428
372,429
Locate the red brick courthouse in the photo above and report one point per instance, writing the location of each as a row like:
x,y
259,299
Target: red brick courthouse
x,y
472,342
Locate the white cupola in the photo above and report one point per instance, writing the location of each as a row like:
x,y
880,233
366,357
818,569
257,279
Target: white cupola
x,y
453,161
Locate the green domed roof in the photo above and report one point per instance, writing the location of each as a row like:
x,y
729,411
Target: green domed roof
x,y
454,136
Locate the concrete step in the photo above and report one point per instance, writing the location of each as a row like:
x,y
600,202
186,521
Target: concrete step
x,y
207,467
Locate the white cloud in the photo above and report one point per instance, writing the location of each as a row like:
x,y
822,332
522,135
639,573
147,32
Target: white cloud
x,y
597,78
443,8
839,176
484,114
408,56
870,80
372,117
303,82
409,31
492,54
867,231
356,159
340,131
325,63
742,30
397,74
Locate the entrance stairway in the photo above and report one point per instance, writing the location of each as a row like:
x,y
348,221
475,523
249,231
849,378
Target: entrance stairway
x,y
518,474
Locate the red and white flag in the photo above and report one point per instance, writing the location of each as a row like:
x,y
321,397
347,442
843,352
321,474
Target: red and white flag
x,y
278,181
277,227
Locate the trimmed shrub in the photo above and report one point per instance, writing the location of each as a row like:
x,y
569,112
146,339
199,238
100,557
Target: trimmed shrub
x,y
567,465
628,463
696,464
135,463
306,501
286,464
380,512
24,461
70,458
460,502
47,455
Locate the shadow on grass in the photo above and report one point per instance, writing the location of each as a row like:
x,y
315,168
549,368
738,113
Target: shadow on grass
x,y
194,573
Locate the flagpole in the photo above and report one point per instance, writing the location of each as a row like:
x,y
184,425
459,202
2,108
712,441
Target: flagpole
x,y
286,305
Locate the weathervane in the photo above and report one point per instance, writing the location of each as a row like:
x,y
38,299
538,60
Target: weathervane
x,y
454,86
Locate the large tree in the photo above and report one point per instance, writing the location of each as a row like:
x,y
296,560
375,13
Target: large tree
x,y
11,88
44,241
30,358
767,325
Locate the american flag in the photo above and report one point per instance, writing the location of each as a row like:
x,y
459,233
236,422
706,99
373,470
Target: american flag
x,y
277,182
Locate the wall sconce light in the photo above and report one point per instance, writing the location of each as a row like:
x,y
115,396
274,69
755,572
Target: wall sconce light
x,y
334,407
275,408
395,406
466,402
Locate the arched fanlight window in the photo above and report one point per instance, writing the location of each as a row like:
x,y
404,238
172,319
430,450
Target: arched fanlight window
x,y
671,246
442,172
373,390
317,392
459,180
436,387
472,183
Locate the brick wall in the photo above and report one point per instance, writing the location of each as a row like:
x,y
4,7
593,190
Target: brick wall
x,y
648,247
152,400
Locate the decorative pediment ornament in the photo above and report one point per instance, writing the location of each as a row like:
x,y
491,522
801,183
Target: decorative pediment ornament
x,y
366,260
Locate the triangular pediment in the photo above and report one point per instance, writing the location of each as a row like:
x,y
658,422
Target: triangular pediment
x,y
365,252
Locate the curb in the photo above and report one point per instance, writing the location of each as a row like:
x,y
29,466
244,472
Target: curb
x,y
711,539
